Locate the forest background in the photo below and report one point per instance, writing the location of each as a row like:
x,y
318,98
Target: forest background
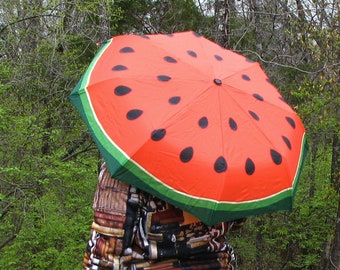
x,y
49,163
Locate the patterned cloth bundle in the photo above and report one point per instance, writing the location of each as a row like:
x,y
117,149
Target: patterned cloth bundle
x,y
134,230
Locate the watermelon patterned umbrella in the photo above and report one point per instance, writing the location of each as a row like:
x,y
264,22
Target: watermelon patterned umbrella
x,y
192,123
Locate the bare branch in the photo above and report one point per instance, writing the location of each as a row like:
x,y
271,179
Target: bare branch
x,y
325,66
26,19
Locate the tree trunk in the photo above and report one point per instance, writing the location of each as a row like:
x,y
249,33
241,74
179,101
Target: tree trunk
x,y
314,152
259,244
255,17
335,166
335,255
222,22
31,27
104,21
335,178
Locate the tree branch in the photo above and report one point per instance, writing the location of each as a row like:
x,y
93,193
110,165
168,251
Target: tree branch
x,y
26,19
8,240
325,66
77,153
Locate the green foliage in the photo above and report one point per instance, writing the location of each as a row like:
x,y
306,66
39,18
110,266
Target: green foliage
x,y
160,16
48,162
321,95
292,239
56,224
46,188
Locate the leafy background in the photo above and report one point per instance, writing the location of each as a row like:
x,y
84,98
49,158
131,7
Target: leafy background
x,y
49,164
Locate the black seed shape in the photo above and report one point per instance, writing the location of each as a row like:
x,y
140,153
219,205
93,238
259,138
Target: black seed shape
x,y
287,142
249,60
268,80
196,34
158,134
186,154
144,36
254,115
218,57
170,35
250,166
174,100
122,90
170,59
134,114
220,165
276,157
126,50
163,78
217,81
290,121
232,124
203,122
119,68
245,77
192,53
258,97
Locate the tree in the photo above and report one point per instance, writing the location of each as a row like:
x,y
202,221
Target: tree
x,y
46,46
49,162
297,45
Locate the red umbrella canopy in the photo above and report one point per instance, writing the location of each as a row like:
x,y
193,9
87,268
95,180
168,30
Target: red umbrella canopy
x,y
195,124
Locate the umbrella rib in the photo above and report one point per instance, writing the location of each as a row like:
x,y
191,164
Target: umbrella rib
x,y
255,125
242,71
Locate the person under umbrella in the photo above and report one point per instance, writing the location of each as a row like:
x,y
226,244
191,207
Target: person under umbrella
x,y
201,130
135,230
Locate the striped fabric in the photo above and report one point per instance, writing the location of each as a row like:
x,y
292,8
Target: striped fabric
x,y
134,230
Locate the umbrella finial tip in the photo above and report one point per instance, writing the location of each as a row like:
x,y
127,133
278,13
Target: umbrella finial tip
x,y
217,81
